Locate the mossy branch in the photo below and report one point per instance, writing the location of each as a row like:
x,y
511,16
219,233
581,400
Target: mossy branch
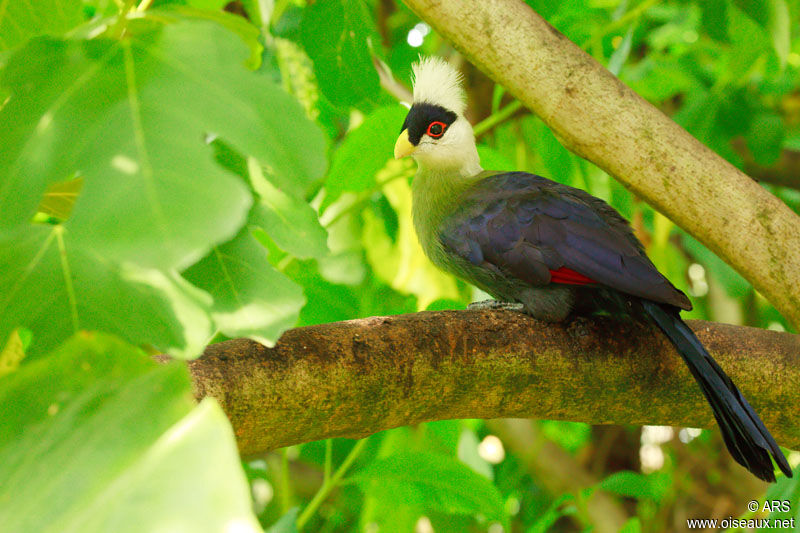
x,y
355,378
601,119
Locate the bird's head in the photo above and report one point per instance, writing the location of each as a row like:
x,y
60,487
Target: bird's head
x,y
435,132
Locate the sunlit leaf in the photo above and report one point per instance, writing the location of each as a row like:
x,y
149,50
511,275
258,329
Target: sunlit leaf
x,y
21,20
251,298
56,285
130,116
98,437
289,221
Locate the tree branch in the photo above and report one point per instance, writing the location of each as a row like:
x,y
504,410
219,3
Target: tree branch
x,y
601,119
355,378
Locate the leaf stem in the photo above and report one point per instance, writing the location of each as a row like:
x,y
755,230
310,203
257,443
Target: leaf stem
x,y
143,5
328,486
328,460
496,118
631,15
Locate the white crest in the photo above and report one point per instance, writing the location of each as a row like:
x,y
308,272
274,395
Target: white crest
x,y
436,82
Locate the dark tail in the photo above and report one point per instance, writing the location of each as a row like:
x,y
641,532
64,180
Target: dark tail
x,y
747,439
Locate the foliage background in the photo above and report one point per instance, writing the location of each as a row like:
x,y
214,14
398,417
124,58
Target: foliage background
x,y
186,172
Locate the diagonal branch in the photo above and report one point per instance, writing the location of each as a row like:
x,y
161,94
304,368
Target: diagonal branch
x,y
355,378
599,118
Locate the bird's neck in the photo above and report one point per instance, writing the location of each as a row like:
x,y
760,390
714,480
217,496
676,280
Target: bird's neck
x,y
435,194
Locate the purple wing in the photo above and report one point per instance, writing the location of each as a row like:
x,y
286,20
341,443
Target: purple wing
x,y
541,232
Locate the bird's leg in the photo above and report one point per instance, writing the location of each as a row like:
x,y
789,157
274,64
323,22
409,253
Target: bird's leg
x,y
496,304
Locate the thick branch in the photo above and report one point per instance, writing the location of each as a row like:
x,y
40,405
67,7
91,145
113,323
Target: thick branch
x,y
599,118
352,379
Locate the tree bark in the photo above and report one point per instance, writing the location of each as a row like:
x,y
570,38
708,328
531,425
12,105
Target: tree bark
x,y
601,119
355,378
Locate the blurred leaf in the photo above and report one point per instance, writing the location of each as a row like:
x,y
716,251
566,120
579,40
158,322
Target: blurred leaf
x,y
337,34
57,285
634,525
290,222
635,485
778,26
434,482
251,298
715,18
364,152
749,41
621,54
60,197
468,454
402,263
556,510
765,138
130,116
287,523
735,285
786,490
12,354
211,10
556,158
99,437
22,20
492,159
571,436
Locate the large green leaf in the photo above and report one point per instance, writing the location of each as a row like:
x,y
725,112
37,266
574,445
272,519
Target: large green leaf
x,y
431,482
130,116
98,437
364,151
291,222
336,35
251,298
22,19
56,285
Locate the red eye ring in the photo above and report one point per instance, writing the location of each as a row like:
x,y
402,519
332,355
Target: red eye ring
x,y
438,131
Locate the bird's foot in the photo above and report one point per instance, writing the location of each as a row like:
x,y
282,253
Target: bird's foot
x,y
496,304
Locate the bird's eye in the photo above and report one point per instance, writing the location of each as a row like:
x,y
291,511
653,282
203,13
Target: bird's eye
x,y
436,129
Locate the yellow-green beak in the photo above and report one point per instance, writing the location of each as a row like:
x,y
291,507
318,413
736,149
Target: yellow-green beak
x,y
403,146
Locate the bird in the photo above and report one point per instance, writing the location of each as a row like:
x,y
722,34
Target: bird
x,y
550,249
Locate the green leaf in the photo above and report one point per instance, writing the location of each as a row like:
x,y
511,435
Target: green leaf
x,y
431,482
131,116
251,298
785,490
56,285
98,437
556,158
765,138
621,54
290,222
749,41
468,454
364,151
22,20
287,523
336,35
636,485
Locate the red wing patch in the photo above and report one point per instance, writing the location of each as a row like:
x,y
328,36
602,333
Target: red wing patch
x,y
569,277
